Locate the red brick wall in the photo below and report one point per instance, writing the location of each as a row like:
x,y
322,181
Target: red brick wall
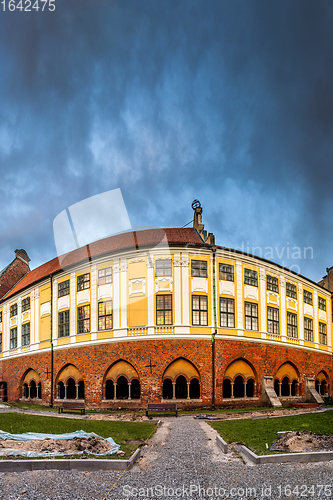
x,y
94,361
12,275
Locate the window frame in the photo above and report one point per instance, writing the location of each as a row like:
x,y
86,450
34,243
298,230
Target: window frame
x,y
62,324
25,335
292,327
201,311
272,283
322,304
163,270
200,266
227,274
13,310
250,277
108,278
63,289
308,332
291,290
13,338
164,310
227,314
273,321
26,304
0,341
81,281
0,316
82,321
307,297
105,315
252,317
322,335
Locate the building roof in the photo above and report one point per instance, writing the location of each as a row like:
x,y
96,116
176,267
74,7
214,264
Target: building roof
x,y
123,241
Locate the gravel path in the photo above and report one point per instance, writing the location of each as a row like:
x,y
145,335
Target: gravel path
x,y
181,458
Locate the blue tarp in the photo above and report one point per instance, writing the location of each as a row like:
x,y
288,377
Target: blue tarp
x,y
33,436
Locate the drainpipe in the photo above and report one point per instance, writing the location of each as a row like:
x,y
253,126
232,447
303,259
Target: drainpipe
x,y
215,327
51,339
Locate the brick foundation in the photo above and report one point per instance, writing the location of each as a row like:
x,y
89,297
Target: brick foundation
x,y
150,358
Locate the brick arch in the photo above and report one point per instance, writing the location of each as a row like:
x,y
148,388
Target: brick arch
x,y
120,368
68,371
178,367
240,367
287,369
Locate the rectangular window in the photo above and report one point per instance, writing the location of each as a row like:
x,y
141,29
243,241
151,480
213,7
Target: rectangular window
x,y
199,310
83,319
105,315
307,297
322,303
322,333
163,309
291,290
163,267
63,288
83,282
13,338
273,320
0,316
199,268
272,284
13,310
227,312
63,324
226,272
292,325
0,342
251,316
105,276
308,329
26,304
250,277
26,334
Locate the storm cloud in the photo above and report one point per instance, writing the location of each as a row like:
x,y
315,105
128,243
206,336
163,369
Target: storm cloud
x,y
230,102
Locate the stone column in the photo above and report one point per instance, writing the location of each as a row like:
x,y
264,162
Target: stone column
x,y
65,386
173,390
188,390
114,390
232,390
280,384
76,391
29,391
129,390
290,384
245,391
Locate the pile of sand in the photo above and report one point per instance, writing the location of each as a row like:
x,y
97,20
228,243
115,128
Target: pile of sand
x,y
94,445
303,441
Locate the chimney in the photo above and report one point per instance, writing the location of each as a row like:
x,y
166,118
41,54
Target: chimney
x,y
22,254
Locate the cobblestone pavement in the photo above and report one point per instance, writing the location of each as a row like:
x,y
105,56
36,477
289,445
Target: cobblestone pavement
x,y
181,461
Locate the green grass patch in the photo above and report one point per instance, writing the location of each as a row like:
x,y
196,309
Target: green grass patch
x,y
256,433
16,423
31,406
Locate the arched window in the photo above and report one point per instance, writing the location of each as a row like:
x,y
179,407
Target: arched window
x,y
285,387
61,390
323,388
250,388
181,380
181,387
239,387
293,388
122,388
25,391
226,388
317,386
194,388
71,389
33,390
167,389
80,391
135,389
109,389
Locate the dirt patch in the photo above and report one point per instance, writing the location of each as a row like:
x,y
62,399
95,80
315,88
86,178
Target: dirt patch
x,y
259,413
302,441
95,445
132,417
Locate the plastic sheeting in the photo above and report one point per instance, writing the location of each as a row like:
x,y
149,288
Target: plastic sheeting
x,y
38,436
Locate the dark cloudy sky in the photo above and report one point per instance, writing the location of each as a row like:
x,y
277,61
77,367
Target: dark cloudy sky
x,y
230,102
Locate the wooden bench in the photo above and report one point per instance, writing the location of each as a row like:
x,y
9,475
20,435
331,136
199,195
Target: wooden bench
x,y
161,407
72,405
